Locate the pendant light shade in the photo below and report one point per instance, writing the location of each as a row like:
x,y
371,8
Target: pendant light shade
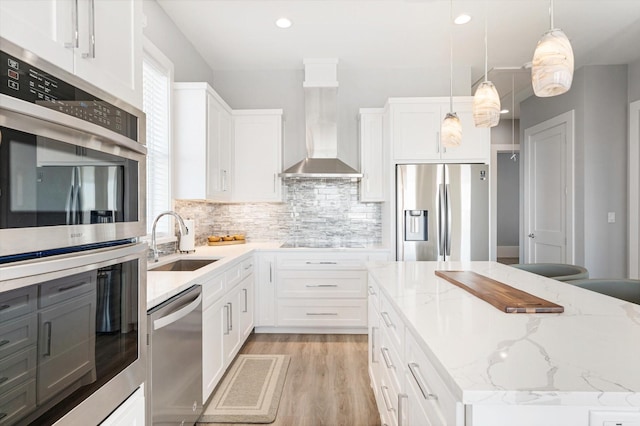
x,y
451,131
552,64
486,102
486,105
451,128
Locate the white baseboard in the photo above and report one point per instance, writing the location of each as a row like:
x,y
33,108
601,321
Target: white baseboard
x,y
508,251
311,330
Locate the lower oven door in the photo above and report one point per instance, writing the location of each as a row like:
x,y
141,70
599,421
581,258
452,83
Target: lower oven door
x,y
72,330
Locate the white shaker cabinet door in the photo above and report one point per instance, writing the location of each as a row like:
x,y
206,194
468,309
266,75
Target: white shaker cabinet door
x,y
109,54
372,155
257,141
44,27
476,141
415,130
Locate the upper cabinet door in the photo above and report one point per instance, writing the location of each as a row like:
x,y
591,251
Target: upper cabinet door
x,y
372,155
98,40
257,140
110,47
44,27
415,130
476,141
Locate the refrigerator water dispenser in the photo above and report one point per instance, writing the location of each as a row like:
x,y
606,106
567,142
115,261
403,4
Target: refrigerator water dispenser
x,y
415,225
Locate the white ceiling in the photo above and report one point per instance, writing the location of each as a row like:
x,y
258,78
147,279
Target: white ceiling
x,y
240,34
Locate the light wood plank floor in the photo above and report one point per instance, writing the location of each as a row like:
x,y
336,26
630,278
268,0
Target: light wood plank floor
x,y
327,382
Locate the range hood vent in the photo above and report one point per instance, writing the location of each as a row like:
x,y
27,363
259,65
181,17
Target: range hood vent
x,y
321,105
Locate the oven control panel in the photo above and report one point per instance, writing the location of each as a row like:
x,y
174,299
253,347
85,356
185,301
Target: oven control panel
x,y
21,80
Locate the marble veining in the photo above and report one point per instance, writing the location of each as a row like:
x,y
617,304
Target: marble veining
x,y
587,355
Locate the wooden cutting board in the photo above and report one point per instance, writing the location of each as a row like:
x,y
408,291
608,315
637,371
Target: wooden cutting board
x,y
500,295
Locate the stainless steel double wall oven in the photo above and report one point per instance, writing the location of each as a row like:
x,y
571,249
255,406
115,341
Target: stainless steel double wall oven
x,y
72,269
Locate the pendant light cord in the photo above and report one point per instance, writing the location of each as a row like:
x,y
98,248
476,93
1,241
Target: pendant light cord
x,y
486,45
451,57
513,117
551,13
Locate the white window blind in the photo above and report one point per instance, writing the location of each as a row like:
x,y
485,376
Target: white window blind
x,y
156,105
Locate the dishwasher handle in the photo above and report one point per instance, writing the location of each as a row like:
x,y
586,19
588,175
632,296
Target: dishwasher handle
x,y
177,315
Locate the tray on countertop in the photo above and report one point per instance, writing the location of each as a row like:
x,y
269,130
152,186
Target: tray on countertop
x,y
504,297
225,243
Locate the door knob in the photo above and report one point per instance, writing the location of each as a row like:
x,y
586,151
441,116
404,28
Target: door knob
x,y
532,235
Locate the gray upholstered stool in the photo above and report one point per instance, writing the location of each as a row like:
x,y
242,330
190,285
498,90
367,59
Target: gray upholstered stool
x,y
557,271
623,289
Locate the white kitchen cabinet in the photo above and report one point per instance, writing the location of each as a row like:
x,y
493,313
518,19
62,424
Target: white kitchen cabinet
x,y
129,413
257,143
372,156
66,348
202,143
245,307
212,320
321,290
231,336
265,291
415,131
81,38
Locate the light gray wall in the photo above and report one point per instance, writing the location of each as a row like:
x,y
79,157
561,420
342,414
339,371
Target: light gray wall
x,y
163,33
358,88
634,81
508,205
599,97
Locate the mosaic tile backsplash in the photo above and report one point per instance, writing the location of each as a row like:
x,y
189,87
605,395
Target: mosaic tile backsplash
x,y
313,209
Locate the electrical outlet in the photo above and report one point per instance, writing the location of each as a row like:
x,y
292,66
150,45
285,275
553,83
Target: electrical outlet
x,y
611,217
614,418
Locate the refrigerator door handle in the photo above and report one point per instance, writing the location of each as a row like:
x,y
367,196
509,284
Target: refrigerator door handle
x,y
447,197
441,219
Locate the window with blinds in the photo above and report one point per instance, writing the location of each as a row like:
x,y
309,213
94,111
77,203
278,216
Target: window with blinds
x,y
157,78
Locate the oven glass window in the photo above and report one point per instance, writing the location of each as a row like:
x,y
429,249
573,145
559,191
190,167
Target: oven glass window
x,y
45,182
61,340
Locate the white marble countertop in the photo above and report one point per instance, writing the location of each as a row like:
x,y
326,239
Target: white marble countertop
x,y
162,285
587,355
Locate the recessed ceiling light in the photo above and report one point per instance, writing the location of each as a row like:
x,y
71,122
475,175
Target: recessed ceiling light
x,y
283,22
462,19
504,111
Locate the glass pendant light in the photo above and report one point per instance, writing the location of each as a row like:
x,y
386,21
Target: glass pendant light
x,y
451,129
486,102
552,65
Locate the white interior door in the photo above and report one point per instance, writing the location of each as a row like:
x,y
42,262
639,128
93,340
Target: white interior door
x,y
634,190
548,191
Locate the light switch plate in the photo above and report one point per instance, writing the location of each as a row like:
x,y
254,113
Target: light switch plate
x,y
614,418
611,217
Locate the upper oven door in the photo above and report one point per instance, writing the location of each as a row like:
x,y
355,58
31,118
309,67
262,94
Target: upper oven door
x,y
65,182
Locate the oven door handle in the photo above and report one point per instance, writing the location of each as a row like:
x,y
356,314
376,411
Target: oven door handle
x,y
177,315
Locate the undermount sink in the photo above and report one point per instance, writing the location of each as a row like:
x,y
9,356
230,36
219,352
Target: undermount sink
x,y
184,265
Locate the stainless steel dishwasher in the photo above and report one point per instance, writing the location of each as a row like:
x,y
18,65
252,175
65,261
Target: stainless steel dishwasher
x,y
174,382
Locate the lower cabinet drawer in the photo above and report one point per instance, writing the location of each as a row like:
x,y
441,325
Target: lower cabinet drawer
x,y
18,334
17,368
323,284
322,313
434,397
18,402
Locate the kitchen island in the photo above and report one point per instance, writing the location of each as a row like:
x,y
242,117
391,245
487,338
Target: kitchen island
x,y
481,366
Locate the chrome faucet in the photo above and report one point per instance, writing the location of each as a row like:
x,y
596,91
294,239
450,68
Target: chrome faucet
x,y
182,228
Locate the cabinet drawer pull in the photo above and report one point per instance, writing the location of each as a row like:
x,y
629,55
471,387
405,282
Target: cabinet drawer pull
x,y
401,397
4,307
387,360
413,367
4,342
71,287
246,268
322,313
320,285
385,397
230,316
387,320
47,326
246,304
92,31
226,308
371,291
323,262
3,379
74,31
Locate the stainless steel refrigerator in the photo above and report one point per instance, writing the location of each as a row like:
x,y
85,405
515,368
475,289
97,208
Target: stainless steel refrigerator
x,y
442,212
